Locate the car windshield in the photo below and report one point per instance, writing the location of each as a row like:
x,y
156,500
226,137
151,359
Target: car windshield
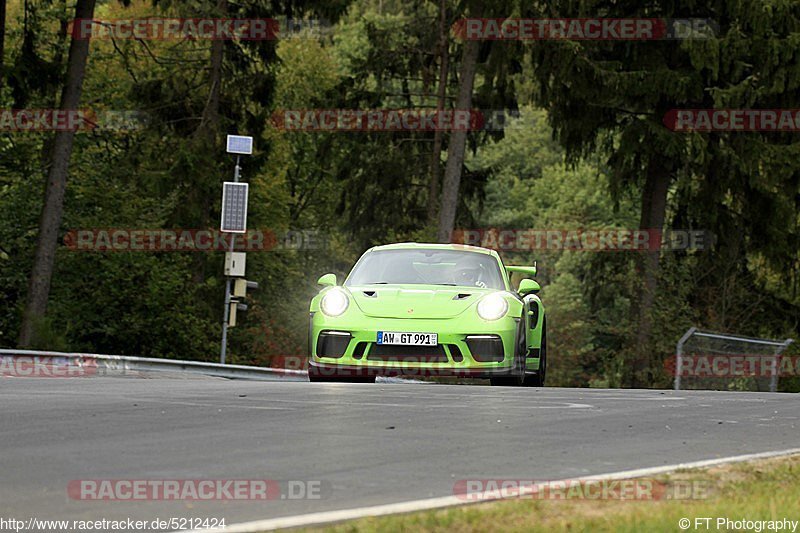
x,y
427,267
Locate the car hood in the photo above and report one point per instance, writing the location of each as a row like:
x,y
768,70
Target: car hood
x,y
415,301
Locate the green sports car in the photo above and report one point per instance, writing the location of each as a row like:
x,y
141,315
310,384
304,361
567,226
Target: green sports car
x,y
429,310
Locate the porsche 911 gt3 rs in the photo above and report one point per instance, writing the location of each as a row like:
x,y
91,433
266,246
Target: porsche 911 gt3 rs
x,y
429,310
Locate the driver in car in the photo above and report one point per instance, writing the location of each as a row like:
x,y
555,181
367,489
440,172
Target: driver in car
x,y
470,276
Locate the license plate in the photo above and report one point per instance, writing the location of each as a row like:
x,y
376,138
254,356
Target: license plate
x,y
407,339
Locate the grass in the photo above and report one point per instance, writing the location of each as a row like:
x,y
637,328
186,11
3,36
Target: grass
x,y
759,490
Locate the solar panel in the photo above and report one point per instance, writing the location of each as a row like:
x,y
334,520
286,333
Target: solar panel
x,y
240,144
234,207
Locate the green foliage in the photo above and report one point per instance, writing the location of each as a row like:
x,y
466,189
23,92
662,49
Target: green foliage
x,y
578,162
586,293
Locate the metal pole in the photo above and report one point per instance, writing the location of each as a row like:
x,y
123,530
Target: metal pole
x,y
226,312
773,382
773,379
679,356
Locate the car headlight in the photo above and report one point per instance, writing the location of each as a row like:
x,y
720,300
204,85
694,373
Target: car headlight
x,y
335,302
492,307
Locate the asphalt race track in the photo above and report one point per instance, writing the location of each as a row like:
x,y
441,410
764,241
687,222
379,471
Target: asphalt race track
x,y
360,444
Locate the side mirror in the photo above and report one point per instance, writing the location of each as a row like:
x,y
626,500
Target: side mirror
x,y
327,279
528,286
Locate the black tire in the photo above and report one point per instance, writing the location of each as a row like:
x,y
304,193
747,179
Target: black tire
x,y
517,380
537,379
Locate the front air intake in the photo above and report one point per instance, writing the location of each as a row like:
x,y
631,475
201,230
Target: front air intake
x,y
486,348
332,343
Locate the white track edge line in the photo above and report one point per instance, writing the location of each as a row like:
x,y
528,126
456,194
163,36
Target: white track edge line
x,y
327,517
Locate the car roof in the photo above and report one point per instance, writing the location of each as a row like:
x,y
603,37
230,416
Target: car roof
x,y
433,246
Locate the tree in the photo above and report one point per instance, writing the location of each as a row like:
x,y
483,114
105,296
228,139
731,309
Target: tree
x,y
611,97
457,144
443,53
486,81
55,186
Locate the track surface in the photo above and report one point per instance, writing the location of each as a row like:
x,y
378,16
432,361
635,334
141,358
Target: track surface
x,y
366,444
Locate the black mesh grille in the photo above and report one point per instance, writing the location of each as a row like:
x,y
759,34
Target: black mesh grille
x,y
420,354
329,345
486,349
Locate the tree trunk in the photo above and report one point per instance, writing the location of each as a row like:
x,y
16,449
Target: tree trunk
x,y
206,136
458,143
210,121
55,187
654,207
52,96
441,94
2,40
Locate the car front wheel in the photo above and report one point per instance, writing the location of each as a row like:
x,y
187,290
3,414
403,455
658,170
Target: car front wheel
x,y
537,379
518,378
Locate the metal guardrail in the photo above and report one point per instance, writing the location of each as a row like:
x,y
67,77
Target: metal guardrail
x,y
778,348
121,364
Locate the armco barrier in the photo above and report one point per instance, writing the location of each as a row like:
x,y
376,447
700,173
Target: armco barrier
x,y
121,364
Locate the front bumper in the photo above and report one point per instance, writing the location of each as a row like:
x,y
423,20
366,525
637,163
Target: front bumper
x,y
396,370
347,349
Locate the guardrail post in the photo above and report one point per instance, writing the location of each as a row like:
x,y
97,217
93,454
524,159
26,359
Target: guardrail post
x,y
679,356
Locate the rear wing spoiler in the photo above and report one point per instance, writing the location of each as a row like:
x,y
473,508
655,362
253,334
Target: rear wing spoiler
x,y
526,270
